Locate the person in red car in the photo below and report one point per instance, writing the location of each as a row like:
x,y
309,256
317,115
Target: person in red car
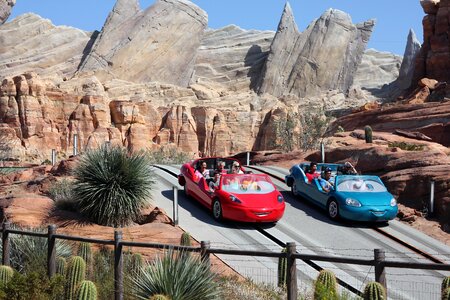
x,y
221,167
312,172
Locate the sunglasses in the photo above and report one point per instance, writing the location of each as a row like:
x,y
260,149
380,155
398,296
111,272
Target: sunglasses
x,y
237,166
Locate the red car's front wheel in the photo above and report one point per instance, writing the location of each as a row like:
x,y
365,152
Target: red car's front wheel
x,y
217,210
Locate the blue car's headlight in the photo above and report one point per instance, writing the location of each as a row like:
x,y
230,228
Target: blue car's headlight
x,y
234,199
393,202
280,199
352,202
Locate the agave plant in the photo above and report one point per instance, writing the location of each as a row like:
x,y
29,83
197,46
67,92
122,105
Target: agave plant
x,y
111,186
179,277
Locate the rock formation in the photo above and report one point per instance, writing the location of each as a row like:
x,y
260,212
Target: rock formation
x,y
151,45
5,9
30,43
433,60
407,68
323,57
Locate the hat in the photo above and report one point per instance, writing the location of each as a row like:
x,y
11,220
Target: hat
x,y
328,169
235,164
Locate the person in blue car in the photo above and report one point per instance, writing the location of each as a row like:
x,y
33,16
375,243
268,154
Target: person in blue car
x,y
326,182
312,172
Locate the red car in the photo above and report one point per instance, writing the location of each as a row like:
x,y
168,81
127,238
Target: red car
x,y
242,197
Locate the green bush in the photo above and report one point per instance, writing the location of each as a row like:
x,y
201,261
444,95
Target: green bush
x,y
112,187
406,146
180,277
33,285
61,193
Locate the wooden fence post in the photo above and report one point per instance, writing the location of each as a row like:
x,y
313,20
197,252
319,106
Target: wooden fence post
x,y
380,274
5,244
51,251
118,266
205,245
291,276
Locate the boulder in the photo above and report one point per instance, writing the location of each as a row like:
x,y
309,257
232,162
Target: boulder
x,y
149,45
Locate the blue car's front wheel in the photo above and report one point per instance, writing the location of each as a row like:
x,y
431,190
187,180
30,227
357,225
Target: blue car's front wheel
x,y
294,189
333,209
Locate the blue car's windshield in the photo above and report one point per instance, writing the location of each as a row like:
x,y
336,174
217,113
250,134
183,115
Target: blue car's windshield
x,y
364,184
247,184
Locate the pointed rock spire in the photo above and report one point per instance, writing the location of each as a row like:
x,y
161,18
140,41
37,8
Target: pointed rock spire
x,y
5,9
407,68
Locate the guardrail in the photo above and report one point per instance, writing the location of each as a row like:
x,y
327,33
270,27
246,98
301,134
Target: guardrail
x,y
378,262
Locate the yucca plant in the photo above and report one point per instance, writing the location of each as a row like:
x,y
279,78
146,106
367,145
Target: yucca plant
x,y
159,297
112,187
179,277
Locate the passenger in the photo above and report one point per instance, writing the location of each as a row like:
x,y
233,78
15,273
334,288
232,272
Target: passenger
x,y
326,182
312,172
221,167
214,184
348,169
204,170
236,168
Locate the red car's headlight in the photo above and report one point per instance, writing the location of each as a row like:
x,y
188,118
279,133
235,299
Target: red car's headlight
x,y
280,198
235,199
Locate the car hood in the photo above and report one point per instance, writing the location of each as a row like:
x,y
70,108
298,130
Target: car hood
x,y
372,199
268,200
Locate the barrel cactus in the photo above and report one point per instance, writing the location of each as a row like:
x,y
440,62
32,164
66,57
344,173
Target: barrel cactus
x,y
368,134
185,239
84,251
86,291
159,297
445,286
76,272
136,263
282,269
61,266
374,291
446,294
6,273
325,286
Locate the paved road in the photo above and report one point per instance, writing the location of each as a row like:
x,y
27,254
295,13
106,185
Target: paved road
x,y
313,233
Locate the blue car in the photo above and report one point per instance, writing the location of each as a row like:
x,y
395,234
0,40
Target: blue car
x,y
353,197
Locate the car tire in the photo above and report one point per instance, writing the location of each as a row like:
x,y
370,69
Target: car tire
x,y
217,210
333,209
294,189
186,191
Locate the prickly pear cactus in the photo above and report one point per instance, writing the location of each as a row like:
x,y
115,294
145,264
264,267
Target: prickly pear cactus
x,y
185,239
61,266
6,273
374,291
76,272
325,286
159,297
86,291
282,269
368,134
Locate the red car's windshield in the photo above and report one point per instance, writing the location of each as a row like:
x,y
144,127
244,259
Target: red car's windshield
x,y
246,184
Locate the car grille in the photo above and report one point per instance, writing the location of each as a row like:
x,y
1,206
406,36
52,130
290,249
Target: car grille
x,y
378,213
262,213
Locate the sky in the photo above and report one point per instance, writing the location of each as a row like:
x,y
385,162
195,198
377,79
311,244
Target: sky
x,y
394,17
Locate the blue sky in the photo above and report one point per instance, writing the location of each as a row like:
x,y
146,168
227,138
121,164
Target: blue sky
x,y
394,17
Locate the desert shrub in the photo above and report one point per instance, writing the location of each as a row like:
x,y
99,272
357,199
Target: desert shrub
x,y
33,285
112,187
314,123
29,253
287,139
61,192
167,155
406,146
236,288
177,276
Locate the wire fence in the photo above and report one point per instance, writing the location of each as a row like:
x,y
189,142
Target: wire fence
x,y
352,273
